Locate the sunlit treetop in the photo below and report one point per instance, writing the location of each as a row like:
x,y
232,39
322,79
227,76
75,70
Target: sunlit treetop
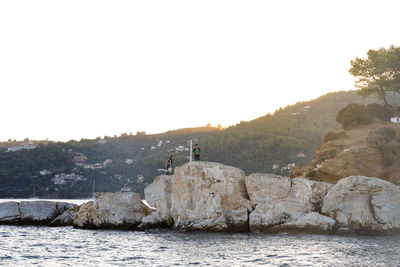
x,y
378,73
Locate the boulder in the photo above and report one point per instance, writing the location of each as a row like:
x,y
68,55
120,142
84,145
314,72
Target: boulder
x,y
112,210
208,197
312,222
158,195
364,204
65,219
279,200
154,220
9,212
42,212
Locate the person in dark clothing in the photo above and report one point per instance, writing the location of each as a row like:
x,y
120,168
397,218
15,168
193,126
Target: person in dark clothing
x,y
197,152
169,164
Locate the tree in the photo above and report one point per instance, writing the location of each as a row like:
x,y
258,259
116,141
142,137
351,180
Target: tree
x,y
379,73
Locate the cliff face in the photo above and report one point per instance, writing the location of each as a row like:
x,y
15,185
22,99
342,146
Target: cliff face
x,y
372,150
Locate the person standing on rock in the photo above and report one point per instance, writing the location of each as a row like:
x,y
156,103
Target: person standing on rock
x,y
169,164
197,152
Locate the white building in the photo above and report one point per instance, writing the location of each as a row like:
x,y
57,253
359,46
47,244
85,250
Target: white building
x,y
275,166
29,145
395,119
129,161
45,172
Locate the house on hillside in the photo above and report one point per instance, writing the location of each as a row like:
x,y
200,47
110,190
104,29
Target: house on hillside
x,y
129,161
107,162
275,166
395,119
300,155
45,172
126,189
80,158
28,145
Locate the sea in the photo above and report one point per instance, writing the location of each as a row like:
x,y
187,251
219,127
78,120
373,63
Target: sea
x,y
66,246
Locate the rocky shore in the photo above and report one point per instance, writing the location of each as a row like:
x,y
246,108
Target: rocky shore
x,y
205,196
35,212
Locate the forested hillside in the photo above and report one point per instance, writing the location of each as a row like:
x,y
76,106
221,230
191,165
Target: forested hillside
x,y
290,135
278,139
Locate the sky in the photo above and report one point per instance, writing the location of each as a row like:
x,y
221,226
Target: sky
x,y
82,69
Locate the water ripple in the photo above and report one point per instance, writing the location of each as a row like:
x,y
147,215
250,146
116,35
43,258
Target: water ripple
x,y
66,246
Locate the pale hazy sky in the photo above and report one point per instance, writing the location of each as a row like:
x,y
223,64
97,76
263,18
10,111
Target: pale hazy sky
x,y
73,69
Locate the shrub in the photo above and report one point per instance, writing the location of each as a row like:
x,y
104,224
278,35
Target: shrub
x,y
352,115
332,135
385,141
355,114
380,112
329,136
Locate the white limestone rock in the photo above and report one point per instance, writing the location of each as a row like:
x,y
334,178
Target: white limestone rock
x,y
312,222
265,187
65,219
112,210
158,195
209,197
42,212
364,204
154,220
9,212
279,200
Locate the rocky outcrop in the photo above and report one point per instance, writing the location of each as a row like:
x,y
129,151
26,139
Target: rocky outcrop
x,y
312,222
158,195
364,204
281,201
32,212
42,212
112,210
9,213
209,197
65,219
356,152
202,196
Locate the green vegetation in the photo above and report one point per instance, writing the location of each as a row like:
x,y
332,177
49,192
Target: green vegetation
x,y
19,171
379,73
386,141
290,135
257,145
355,114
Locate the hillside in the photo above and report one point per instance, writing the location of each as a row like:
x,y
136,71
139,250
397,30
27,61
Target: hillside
x,y
278,139
368,150
289,136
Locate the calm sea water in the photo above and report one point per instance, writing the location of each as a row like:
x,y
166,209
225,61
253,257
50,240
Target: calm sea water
x,y
66,246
